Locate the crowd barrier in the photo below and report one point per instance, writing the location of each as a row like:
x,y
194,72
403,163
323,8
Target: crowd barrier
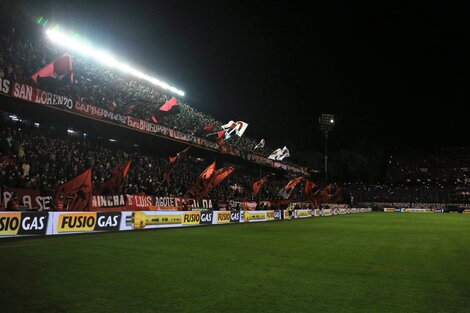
x,y
18,224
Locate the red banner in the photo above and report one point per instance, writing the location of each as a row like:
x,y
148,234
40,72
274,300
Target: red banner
x,y
28,198
249,205
139,202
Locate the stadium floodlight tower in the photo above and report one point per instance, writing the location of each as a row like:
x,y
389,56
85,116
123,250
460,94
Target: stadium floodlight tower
x,y
327,121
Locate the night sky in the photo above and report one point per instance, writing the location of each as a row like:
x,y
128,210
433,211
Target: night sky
x,y
394,75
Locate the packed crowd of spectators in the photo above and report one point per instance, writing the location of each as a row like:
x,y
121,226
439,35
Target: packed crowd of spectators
x,y
42,159
402,192
45,162
433,176
445,164
23,52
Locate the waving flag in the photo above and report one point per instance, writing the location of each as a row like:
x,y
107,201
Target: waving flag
x,y
234,127
257,186
221,136
287,190
260,145
280,154
173,163
114,184
77,192
169,108
325,193
131,108
285,154
337,196
198,189
309,186
57,69
178,156
208,128
207,173
218,177
276,154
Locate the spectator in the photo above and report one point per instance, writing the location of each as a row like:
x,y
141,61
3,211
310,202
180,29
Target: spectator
x,y
26,167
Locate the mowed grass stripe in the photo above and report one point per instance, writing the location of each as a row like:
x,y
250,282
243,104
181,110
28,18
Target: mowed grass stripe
x,y
356,263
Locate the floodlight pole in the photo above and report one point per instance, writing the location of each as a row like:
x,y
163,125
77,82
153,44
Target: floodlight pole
x,y
326,125
326,156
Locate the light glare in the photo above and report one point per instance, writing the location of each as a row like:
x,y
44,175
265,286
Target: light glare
x,y
74,43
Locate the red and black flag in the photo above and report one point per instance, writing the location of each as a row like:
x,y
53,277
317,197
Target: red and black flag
x,y
337,196
257,186
314,198
169,108
309,186
58,69
207,173
135,105
218,177
131,108
198,188
220,137
208,128
287,190
325,193
178,156
55,74
173,160
77,192
114,184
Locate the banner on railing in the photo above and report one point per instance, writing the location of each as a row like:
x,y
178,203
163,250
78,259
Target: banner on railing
x,y
27,198
34,95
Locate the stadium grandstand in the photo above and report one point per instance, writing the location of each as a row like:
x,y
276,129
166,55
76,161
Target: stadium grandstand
x,y
436,176
104,100
119,192
121,120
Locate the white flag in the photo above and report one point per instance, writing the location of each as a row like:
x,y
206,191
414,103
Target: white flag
x,y
285,154
276,153
260,145
238,128
279,154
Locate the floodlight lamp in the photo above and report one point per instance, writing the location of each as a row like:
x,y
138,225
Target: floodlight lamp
x,y
80,45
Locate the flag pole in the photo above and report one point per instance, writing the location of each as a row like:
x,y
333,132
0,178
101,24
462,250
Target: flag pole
x,y
211,134
237,141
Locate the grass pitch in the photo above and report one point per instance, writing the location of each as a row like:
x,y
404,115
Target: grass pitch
x,y
356,263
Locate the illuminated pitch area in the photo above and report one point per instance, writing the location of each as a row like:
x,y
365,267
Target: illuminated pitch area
x,y
375,262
